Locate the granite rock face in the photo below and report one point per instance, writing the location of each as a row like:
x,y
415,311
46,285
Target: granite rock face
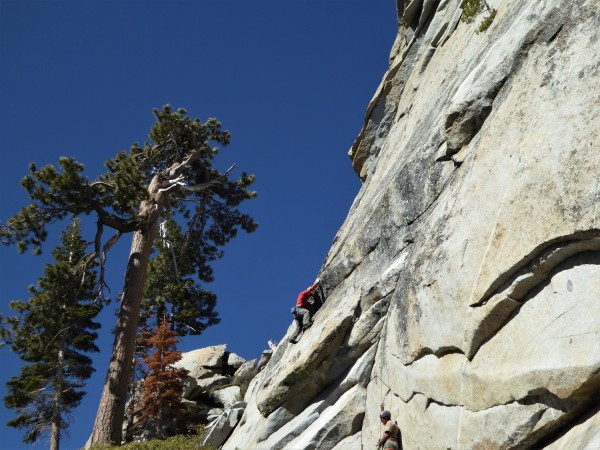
x,y
463,289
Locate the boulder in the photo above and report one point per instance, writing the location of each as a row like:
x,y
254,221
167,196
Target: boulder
x,y
226,397
189,387
233,360
213,414
221,427
264,359
203,362
246,370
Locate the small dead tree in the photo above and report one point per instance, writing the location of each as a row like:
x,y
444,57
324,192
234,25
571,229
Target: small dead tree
x,y
160,412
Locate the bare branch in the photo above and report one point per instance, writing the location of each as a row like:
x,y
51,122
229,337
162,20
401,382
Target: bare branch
x,y
205,186
200,215
102,183
178,182
174,183
115,222
62,330
101,282
88,262
98,253
97,242
233,166
35,391
203,212
191,328
112,241
193,156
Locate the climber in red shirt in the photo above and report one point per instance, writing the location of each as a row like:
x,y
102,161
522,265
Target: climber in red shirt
x,y
301,312
302,301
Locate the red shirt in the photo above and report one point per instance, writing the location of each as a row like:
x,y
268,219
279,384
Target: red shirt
x,y
302,301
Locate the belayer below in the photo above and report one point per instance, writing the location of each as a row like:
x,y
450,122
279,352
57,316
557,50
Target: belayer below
x,y
392,438
302,312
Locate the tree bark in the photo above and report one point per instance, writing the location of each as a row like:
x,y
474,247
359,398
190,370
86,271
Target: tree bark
x,y
130,415
56,413
108,427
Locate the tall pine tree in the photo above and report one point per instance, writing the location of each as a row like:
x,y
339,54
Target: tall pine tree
x,y
169,179
52,332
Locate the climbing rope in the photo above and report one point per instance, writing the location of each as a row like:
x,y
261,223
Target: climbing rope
x,y
381,371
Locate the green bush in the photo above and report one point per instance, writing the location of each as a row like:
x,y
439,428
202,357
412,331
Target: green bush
x,y
470,10
487,21
175,443
473,7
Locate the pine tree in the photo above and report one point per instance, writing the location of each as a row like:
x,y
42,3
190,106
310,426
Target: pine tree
x,y
160,412
52,332
170,179
170,288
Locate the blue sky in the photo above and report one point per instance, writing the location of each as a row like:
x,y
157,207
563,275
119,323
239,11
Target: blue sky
x,y
290,80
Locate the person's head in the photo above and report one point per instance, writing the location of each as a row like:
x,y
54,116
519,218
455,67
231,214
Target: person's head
x,y
385,416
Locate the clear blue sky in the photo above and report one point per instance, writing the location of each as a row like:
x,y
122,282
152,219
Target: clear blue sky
x,y
290,79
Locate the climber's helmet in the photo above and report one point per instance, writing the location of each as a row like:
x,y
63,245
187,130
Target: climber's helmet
x,y
385,415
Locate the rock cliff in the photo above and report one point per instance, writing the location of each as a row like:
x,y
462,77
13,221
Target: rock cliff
x,y
463,289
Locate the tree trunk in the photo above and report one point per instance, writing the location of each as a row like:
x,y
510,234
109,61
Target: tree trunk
x,y
129,415
108,427
56,413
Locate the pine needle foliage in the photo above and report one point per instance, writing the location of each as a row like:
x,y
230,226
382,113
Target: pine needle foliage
x,y
52,333
170,288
